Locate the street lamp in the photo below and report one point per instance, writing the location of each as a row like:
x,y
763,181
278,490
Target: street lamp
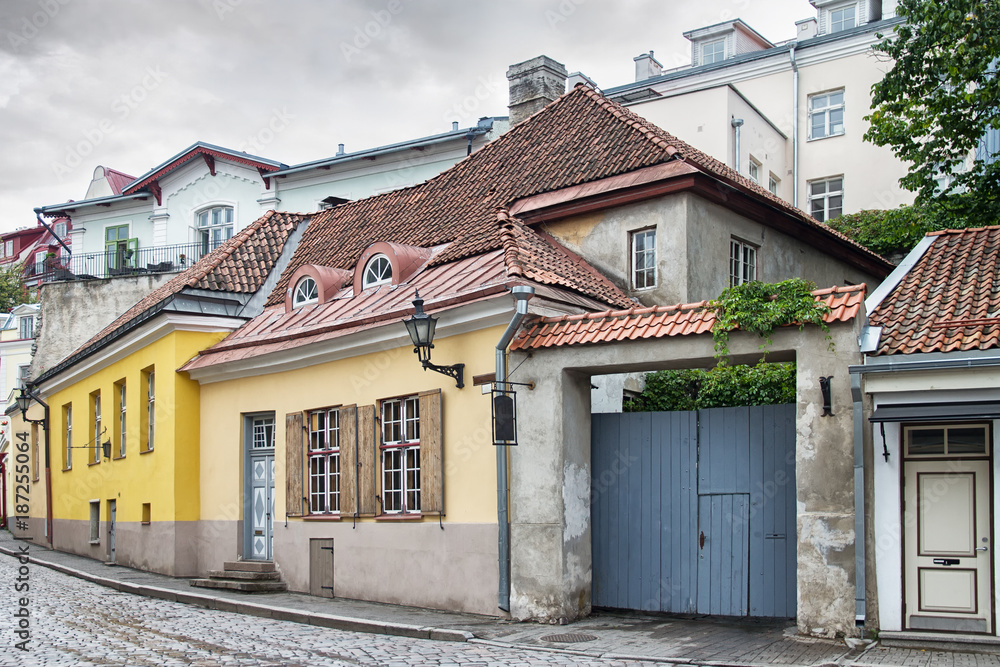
x,y
421,329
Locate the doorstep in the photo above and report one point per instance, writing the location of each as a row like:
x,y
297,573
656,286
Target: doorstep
x,y
944,641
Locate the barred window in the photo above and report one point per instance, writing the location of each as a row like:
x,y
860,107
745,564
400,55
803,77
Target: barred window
x,y
324,461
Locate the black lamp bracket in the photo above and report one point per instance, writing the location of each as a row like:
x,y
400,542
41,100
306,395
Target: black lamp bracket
x,y
456,371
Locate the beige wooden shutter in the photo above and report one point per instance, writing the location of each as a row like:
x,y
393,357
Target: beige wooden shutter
x,y
431,453
294,466
348,417
367,460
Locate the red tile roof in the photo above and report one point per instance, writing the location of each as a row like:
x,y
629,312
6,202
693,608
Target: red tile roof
x,y
658,321
949,300
117,180
239,265
581,137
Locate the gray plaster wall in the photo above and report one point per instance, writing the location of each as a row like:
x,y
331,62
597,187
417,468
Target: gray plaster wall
x,y
551,474
397,562
166,547
692,249
73,312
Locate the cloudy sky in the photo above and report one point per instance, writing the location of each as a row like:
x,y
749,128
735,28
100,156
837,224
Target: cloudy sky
x,y
129,83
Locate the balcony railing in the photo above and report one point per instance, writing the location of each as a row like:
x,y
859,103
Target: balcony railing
x,y
114,263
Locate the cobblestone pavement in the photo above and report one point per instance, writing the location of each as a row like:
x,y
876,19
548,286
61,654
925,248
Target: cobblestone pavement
x,y
75,622
916,657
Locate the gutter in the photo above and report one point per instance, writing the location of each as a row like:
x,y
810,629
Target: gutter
x,y
857,396
891,366
521,294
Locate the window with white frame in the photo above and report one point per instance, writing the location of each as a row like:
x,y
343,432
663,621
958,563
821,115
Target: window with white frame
x,y
68,436
306,292
378,271
324,461
262,433
150,425
753,170
401,455
60,229
843,18
95,400
122,422
826,198
215,226
23,373
826,114
772,184
742,262
26,326
8,249
713,52
643,243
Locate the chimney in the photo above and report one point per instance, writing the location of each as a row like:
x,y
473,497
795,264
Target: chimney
x,y
533,84
340,150
806,28
646,67
579,77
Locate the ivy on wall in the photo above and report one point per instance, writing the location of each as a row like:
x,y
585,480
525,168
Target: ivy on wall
x,y
720,387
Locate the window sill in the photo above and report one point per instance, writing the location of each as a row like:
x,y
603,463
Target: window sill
x,y
145,523
321,517
94,542
94,463
407,516
145,451
829,136
117,458
67,469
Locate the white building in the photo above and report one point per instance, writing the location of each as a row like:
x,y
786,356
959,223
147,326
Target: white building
x,y
788,115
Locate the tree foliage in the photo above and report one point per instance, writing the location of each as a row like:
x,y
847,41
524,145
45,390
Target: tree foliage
x,y
760,308
13,292
719,387
889,232
941,96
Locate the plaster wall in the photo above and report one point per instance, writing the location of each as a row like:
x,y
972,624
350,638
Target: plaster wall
x,y
89,224
550,470
190,189
165,547
73,312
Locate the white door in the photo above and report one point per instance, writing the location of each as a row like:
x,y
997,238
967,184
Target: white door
x,y
262,506
946,521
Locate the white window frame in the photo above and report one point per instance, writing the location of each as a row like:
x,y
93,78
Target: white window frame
x,y
150,409
262,433
643,259
324,461
821,105
753,170
834,21
825,197
717,54
68,434
97,427
225,225
401,455
59,229
772,184
306,292
378,271
8,248
26,327
23,372
742,262
122,420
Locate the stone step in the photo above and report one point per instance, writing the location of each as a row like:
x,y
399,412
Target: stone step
x,y
249,565
941,641
243,586
245,576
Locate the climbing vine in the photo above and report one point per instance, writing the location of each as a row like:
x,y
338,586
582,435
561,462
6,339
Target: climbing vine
x,y
760,308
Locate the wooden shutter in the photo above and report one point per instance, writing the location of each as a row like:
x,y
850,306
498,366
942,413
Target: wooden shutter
x,y
348,418
294,467
431,453
367,461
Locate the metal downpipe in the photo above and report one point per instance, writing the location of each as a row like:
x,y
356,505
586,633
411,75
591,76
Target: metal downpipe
x,y
795,125
521,294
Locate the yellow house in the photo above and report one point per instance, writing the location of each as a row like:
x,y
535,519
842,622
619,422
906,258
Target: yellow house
x,y
124,425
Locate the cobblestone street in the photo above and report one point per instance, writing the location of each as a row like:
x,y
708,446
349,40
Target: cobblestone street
x,y
74,622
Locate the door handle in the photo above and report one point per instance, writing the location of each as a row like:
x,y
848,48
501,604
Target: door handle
x,y
982,548
701,540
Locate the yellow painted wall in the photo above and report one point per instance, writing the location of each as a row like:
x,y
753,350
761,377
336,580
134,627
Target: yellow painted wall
x,y
166,477
469,455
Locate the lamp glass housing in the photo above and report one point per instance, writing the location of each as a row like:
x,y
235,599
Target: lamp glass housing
x,y
23,402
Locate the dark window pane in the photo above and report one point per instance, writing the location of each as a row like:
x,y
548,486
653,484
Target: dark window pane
x,y
926,441
967,440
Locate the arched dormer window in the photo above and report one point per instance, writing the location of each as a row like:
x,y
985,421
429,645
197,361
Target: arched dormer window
x,y
378,271
306,292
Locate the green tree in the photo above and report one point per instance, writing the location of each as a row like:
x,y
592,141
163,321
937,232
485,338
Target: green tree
x,y
890,232
719,387
935,105
13,291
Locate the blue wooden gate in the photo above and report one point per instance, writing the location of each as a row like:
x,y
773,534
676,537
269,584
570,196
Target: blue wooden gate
x,y
694,512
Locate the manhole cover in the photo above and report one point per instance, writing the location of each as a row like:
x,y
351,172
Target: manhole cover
x,y
569,638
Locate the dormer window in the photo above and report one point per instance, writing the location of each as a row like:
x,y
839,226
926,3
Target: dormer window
x,y
306,292
843,18
713,52
378,271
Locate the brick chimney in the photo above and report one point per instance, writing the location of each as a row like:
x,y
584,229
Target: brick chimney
x,y
533,84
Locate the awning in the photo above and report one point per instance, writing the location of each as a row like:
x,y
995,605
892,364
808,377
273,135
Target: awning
x,y
936,412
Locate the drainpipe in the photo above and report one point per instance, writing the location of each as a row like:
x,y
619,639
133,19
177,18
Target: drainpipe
x,y
521,294
860,539
795,124
737,123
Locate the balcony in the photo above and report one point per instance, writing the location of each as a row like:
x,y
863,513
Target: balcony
x,y
113,264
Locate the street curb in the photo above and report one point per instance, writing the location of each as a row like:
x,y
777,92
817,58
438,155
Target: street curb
x,y
330,621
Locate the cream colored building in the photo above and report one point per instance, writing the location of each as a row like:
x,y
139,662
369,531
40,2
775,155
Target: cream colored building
x,y
789,115
17,330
